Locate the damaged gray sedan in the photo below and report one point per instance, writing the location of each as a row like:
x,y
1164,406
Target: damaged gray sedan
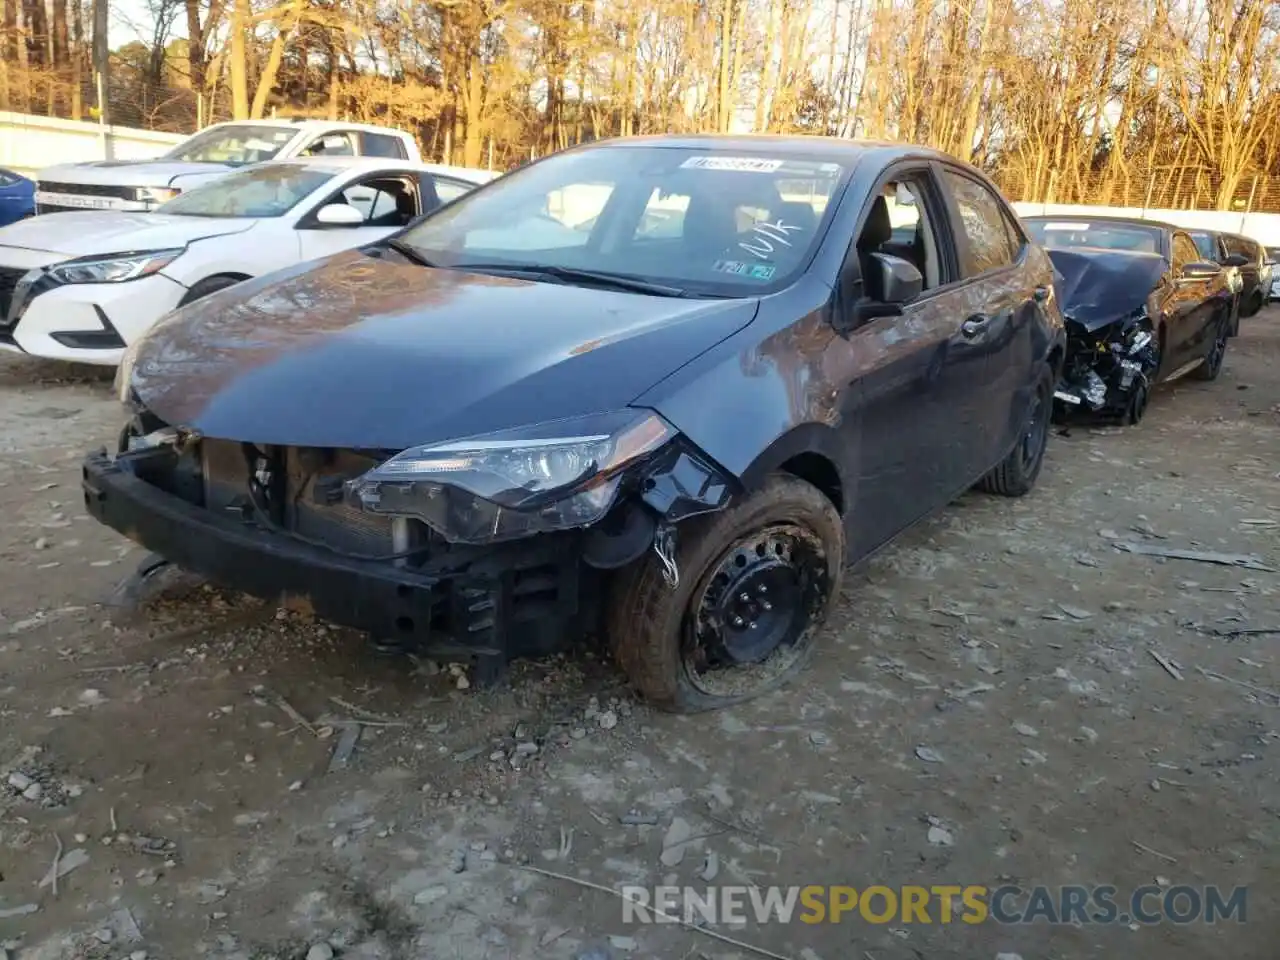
x,y
1141,307
655,389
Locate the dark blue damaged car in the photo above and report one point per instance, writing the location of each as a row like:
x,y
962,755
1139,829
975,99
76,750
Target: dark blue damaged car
x,y
655,390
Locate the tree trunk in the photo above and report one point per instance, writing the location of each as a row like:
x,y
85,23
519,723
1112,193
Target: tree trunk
x,y
267,79
473,107
724,107
195,45
101,60
61,40
37,30
240,26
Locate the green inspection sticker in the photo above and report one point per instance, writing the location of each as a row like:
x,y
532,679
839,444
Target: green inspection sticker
x,y
756,271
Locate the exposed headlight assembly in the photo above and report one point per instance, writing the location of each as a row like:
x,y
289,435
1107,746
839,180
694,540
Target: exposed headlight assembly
x,y
515,483
114,267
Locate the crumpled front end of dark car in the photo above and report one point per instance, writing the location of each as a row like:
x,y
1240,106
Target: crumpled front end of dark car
x,y
475,567
1109,370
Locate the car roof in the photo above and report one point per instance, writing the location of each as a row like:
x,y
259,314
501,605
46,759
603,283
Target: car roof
x,y
833,148
305,123
1090,217
470,174
339,165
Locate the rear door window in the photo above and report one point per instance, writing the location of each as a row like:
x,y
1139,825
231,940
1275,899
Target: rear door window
x,y
984,223
333,144
384,145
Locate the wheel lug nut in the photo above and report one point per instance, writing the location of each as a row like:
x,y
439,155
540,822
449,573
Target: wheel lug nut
x,y
766,605
762,589
743,597
738,621
752,625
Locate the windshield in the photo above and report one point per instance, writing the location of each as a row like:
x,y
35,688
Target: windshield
x,y
267,191
702,221
235,143
1056,234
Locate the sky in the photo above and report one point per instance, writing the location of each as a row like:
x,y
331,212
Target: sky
x,y
131,20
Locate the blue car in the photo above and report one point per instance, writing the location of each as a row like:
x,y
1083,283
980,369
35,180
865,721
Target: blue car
x,y
17,197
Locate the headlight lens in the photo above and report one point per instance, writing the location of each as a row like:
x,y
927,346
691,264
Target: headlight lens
x,y
113,268
155,195
536,479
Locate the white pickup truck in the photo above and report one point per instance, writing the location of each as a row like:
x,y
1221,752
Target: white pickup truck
x,y
142,185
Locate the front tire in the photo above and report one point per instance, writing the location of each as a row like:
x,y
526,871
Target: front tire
x,y
1137,406
1212,364
756,581
1016,475
205,287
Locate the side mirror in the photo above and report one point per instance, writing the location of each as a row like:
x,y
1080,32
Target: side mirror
x,y
339,215
892,279
889,283
1236,260
1200,270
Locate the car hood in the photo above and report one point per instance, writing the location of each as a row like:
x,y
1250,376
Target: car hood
x,y
83,233
1097,287
137,173
363,352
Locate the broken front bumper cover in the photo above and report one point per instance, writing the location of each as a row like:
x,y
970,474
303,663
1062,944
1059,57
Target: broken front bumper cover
x,y
503,602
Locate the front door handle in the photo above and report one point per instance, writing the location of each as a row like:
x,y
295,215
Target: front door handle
x,y
974,325
1041,294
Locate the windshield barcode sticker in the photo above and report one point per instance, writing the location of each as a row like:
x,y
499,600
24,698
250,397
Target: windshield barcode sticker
x,y
739,164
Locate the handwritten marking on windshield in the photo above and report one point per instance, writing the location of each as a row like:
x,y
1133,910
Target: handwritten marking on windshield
x,y
766,235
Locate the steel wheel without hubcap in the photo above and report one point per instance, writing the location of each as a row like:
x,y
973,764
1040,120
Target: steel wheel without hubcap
x,y
1037,433
751,618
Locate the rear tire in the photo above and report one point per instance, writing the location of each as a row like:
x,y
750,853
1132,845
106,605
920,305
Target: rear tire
x,y
1016,475
771,564
1212,364
207,286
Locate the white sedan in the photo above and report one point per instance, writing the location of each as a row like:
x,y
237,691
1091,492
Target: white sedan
x,y
82,286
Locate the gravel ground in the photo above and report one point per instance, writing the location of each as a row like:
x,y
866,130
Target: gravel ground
x,y
987,708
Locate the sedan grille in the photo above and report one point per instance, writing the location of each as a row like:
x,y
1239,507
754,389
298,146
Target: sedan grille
x,y
89,189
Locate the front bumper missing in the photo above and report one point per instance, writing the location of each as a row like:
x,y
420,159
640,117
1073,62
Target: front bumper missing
x,y
520,599
1108,372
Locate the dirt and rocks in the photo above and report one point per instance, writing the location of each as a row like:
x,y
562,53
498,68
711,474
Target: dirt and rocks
x,y
1007,695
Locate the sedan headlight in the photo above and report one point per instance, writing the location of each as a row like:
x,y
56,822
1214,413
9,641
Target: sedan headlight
x,y
113,267
536,479
155,195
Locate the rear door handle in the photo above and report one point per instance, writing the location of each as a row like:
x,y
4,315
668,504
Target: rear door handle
x,y
974,325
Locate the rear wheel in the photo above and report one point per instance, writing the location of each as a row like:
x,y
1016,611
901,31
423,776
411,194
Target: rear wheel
x,y
1017,474
755,583
1212,365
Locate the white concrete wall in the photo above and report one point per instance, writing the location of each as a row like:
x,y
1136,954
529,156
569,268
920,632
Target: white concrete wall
x,y
28,143
1263,227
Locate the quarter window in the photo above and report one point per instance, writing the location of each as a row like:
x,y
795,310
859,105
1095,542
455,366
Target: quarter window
x,y
984,223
